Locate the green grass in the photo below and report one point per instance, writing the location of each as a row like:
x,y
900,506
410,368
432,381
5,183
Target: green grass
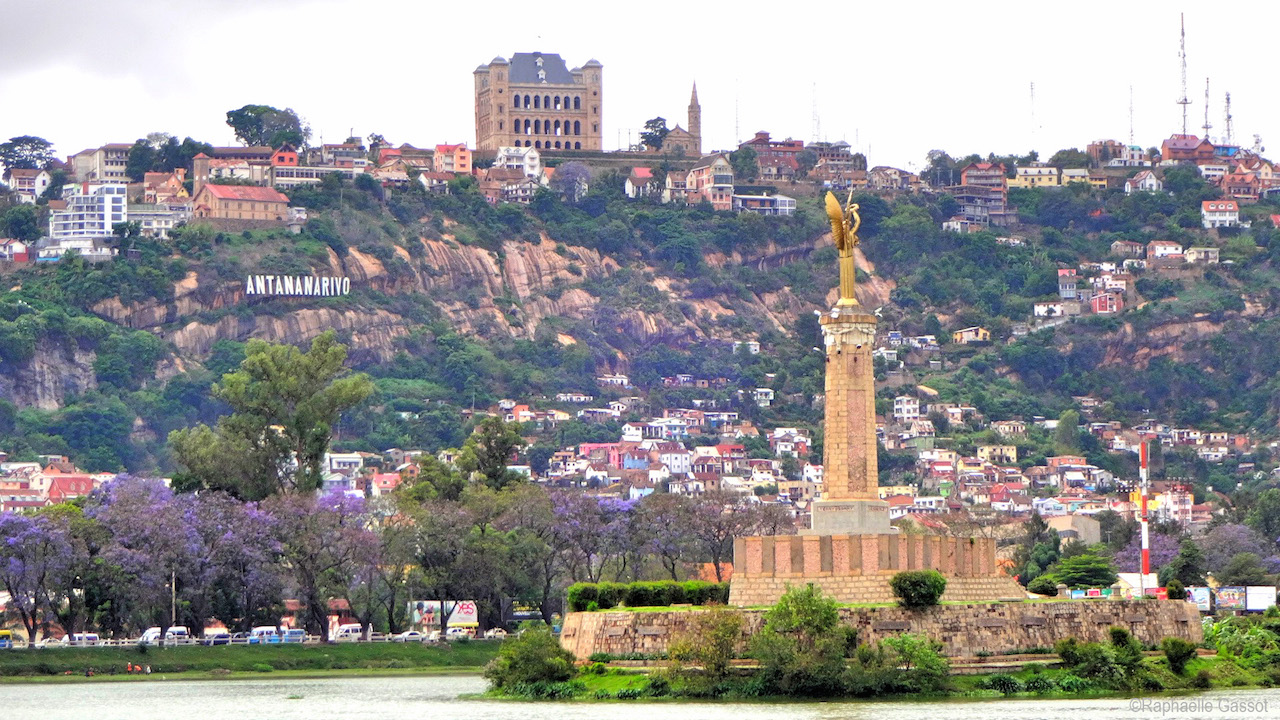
x,y
250,659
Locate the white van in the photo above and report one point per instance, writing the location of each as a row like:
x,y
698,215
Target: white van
x,y
177,635
151,636
264,635
350,632
80,639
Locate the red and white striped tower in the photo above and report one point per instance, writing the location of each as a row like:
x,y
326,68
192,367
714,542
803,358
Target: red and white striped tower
x,y
1142,518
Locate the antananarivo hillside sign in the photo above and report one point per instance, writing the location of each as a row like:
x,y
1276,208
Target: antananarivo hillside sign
x,y
296,286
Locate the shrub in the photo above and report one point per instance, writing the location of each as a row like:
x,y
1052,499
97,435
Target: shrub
x,y
1004,684
1040,684
657,686
603,694
610,595
1043,585
595,668
1176,590
580,595
261,667
918,588
533,657
1069,650
1202,681
600,657
1073,684
1178,653
628,694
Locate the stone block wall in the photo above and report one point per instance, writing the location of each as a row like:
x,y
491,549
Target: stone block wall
x,y
857,568
963,630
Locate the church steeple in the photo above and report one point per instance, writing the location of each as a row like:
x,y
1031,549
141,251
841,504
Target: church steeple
x,y
695,121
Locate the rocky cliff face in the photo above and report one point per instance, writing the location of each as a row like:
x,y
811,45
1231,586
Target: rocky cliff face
x,y
479,292
55,371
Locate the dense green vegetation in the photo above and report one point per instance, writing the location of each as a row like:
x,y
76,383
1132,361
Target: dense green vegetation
x,y
1220,377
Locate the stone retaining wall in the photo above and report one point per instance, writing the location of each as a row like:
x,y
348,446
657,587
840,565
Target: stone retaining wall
x,y
963,630
857,568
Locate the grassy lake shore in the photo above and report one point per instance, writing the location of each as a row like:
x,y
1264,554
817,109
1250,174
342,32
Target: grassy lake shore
x,y
109,664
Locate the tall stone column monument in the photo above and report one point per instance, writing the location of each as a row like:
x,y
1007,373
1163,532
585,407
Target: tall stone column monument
x,y
851,551
850,504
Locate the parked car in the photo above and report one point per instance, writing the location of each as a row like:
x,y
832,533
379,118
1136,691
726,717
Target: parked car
x,y
151,636
245,638
457,633
433,637
408,636
495,634
294,635
216,637
6,639
177,635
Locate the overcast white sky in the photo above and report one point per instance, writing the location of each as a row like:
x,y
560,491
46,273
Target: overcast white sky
x,y
895,79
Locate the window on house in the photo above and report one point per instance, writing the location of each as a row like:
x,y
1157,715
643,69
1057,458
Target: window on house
x,y
537,102
577,127
577,146
577,103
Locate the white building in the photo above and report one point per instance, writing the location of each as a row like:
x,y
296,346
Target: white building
x,y
1144,181
1219,213
525,159
92,211
158,220
29,184
906,408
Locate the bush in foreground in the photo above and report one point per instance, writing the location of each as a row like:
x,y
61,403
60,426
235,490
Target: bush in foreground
x,y
535,658
918,588
1178,652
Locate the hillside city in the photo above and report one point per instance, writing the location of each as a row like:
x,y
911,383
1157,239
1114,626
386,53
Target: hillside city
x,y
1134,236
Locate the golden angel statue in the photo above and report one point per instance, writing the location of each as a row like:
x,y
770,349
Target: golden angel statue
x,y
844,229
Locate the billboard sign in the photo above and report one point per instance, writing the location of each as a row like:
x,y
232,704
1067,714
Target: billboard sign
x,y
1259,597
426,613
1229,597
1199,596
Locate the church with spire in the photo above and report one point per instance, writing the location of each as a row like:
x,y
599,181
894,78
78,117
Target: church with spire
x,y
680,141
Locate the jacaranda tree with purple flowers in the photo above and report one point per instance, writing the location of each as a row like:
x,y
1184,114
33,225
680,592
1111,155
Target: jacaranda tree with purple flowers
x,y
34,556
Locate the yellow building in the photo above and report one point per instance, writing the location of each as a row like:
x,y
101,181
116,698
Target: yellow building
x,y
971,335
535,100
1036,175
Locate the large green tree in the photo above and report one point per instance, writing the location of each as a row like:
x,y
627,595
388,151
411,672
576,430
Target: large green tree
x,y
489,450
285,403
26,152
266,125
654,133
1265,514
745,167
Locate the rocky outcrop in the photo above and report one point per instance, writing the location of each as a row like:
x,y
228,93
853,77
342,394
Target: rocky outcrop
x,y
56,370
371,333
509,292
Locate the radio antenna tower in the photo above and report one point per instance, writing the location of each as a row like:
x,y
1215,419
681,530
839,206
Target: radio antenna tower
x,y
1130,114
1182,55
1229,130
1207,124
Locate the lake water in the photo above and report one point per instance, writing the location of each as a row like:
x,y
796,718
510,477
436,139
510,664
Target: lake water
x,y
436,698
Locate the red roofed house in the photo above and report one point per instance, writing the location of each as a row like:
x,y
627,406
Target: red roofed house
x,y
1220,213
286,154
453,158
66,487
1241,186
1107,303
241,202
1185,148
984,175
383,483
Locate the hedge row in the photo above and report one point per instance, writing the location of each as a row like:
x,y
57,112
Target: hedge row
x,y
602,596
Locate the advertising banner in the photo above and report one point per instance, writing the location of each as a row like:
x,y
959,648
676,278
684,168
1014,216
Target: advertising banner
x,y
1229,598
1259,597
1199,596
426,613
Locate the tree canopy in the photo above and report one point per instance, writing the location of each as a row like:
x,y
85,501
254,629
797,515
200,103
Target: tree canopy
x,y
26,152
266,125
285,404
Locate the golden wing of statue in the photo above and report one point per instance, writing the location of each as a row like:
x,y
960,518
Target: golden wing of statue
x,y
836,214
